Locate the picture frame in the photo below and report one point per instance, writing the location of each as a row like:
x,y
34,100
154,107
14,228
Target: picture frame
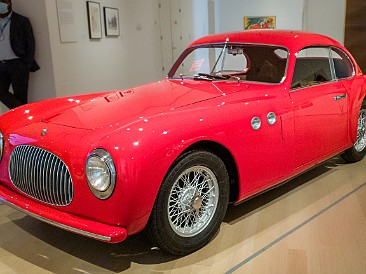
x,y
94,20
259,22
111,21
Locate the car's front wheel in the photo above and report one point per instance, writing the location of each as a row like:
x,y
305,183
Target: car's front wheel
x,y
358,150
191,203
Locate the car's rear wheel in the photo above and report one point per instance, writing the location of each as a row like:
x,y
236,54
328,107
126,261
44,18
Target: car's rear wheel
x,y
358,150
191,203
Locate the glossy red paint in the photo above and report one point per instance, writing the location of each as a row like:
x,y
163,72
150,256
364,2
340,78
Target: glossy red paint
x,y
94,230
147,128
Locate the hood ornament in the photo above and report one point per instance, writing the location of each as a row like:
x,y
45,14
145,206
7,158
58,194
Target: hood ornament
x,y
44,132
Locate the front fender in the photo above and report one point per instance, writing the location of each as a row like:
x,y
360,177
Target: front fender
x,y
144,152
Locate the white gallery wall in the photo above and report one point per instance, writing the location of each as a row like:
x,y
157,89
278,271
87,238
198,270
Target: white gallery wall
x,y
152,35
230,13
90,65
181,22
326,17
321,16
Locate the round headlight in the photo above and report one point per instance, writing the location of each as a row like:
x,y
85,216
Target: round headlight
x,y
101,173
1,145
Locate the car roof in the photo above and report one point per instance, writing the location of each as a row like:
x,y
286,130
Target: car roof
x,y
290,39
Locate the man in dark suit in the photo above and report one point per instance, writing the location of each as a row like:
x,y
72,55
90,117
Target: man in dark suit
x,y
17,47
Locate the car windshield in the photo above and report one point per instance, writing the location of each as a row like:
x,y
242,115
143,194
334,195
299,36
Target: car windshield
x,y
237,62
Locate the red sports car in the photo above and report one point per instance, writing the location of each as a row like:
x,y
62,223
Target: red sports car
x,y
237,114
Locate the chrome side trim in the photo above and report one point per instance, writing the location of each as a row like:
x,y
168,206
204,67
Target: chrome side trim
x,y
56,224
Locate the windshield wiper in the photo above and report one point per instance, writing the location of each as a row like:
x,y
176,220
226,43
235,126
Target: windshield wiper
x,y
218,58
209,77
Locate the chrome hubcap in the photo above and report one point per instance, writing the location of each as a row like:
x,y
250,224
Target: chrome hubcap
x,y
192,201
360,144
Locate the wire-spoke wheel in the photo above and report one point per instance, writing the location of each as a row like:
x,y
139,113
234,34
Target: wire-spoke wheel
x,y
360,144
191,203
358,150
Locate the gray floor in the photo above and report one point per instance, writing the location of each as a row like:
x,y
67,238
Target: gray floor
x,y
313,224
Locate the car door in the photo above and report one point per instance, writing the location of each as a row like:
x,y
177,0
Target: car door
x,y
320,107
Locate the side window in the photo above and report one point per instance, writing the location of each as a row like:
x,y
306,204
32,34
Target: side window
x,y
342,64
312,67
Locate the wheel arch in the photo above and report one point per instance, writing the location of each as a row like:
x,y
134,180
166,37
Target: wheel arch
x,y
226,156
358,100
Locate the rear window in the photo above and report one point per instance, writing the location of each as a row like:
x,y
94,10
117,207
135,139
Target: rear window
x,y
342,64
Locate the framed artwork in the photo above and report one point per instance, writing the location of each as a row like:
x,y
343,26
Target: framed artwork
x,y
259,22
111,20
94,20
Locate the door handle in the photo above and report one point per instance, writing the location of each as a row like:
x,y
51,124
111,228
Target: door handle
x,y
340,97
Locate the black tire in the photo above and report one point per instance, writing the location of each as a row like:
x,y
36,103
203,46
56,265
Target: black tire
x,y
185,196
357,151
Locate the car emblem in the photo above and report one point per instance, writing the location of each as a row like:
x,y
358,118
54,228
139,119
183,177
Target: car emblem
x,y
44,132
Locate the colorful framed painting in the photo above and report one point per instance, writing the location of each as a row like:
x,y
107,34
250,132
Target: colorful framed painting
x,y
94,20
259,22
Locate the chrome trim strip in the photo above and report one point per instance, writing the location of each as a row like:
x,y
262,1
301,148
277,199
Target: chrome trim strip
x,y
56,224
319,84
332,66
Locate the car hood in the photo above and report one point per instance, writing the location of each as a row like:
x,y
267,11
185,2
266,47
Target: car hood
x,y
122,107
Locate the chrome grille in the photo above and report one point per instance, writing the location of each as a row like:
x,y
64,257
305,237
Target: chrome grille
x,y
41,175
